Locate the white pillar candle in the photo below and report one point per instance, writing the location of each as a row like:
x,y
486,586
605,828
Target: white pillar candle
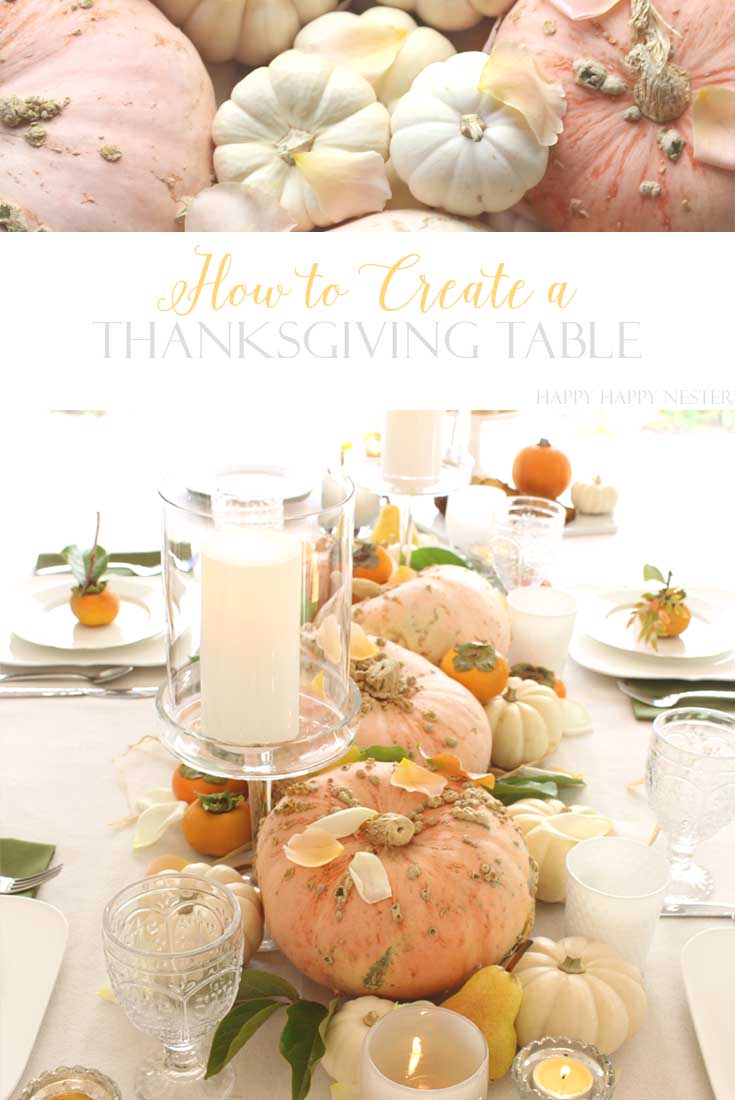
x,y
421,1048
541,626
412,446
250,636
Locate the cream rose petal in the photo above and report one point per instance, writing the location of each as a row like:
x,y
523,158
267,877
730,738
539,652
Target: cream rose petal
x,y
329,637
105,994
584,9
344,822
361,647
236,208
370,877
412,777
154,822
344,185
713,127
575,718
155,797
370,48
512,76
314,848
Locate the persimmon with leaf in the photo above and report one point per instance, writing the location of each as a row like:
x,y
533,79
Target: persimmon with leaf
x,y
371,562
92,602
187,783
661,614
216,824
542,676
479,667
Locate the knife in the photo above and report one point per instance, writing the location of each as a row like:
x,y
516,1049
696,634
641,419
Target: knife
x,y
79,693
699,909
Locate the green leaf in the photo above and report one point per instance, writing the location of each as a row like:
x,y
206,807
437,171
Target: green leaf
x,y
425,556
651,573
75,559
100,563
507,791
385,754
562,779
302,1044
261,983
239,1025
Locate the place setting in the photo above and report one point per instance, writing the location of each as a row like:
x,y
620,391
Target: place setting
x,y
373,846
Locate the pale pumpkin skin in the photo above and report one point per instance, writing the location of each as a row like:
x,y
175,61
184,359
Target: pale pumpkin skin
x,y
135,82
447,923
435,713
410,221
596,169
444,605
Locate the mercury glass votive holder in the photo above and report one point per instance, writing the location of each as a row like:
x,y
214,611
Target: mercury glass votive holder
x,y
71,1081
594,1078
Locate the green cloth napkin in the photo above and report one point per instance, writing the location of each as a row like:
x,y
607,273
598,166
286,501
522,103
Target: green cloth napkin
x,y
646,713
135,557
19,858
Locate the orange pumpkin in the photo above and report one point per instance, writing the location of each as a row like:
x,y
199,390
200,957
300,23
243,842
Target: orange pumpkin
x,y
407,701
628,157
542,471
461,885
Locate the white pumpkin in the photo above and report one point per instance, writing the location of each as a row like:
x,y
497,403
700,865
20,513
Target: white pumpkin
x,y
248,899
453,15
526,722
384,45
250,31
461,149
311,135
551,830
593,498
346,1034
580,989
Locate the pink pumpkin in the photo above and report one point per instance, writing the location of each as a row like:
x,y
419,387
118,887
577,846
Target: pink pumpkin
x,y
407,701
610,173
444,605
410,221
112,128
461,881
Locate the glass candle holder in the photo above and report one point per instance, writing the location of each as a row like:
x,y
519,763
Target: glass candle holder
x,y
71,1081
562,1069
541,621
537,526
419,1047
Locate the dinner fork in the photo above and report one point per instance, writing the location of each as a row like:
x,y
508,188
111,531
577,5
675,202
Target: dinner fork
x,y
9,885
95,674
665,702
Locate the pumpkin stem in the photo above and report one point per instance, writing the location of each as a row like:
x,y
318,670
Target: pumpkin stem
x,y
472,126
572,966
511,963
295,141
543,442
663,89
390,830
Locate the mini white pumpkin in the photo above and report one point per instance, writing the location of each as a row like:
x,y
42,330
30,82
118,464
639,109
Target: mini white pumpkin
x,y
250,31
346,1034
526,723
551,830
384,45
593,498
453,15
461,149
581,989
310,134
248,899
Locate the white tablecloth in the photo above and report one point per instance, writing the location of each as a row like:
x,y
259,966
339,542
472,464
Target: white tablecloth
x,y
59,783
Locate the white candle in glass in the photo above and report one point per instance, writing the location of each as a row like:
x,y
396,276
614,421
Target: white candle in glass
x,y
541,626
412,446
250,635
421,1048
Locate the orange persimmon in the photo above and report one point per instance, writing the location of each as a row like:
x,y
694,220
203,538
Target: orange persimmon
x,y
217,823
479,667
542,676
96,608
372,562
187,783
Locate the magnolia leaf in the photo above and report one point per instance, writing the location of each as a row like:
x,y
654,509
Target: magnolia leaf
x,y
314,848
384,754
101,559
584,9
344,822
515,788
562,779
343,185
651,573
412,777
575,718
512,76
256,984
370,877
368,47
236,208
75,559
713,127
435,555
302,1044
239,1025
154,822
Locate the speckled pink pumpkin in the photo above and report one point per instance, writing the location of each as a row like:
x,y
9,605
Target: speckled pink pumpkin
x,y
462,889
599,171
407,701
134,138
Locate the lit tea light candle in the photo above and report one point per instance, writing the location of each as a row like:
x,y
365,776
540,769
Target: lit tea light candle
x,y
563,1078
412,446
421,1048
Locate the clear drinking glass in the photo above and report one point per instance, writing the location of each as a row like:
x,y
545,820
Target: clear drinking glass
x,y
690,781
174,948
536,526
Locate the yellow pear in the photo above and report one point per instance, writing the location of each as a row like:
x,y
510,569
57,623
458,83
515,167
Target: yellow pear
x,y
491,998
388,527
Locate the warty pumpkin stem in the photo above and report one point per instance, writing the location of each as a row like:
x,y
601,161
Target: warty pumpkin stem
x,y
663,89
